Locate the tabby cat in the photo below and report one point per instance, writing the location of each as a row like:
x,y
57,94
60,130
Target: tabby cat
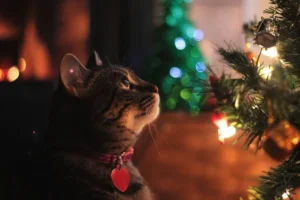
x,y
98,109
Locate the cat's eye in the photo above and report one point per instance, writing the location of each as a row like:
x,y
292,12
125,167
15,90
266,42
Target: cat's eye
x,y
126,82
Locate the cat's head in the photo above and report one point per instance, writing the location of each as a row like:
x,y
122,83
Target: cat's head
x,y
114,103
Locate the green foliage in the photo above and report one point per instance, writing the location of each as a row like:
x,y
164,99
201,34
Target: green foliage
x,y
176,47
280,180
244,101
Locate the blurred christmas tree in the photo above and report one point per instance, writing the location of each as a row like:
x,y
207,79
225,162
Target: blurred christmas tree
x,y
177,59
264,104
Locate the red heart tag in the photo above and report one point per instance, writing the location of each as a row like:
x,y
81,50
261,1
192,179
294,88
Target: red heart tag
x,y
120,178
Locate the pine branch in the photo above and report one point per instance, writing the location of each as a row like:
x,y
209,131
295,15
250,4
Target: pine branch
x,y
287,14
282,179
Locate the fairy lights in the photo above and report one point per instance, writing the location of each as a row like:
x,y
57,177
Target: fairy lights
x,y
224,130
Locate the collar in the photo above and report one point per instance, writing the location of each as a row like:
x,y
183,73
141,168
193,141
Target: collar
x,y
114,158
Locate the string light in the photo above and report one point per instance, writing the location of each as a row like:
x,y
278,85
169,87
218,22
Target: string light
x,y
266,72
198,35
175,72
224,130
180,43
286,195
13,74
270,52
200,66
248,45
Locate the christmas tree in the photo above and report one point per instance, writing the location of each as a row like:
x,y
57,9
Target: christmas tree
x,y
264,104
177,60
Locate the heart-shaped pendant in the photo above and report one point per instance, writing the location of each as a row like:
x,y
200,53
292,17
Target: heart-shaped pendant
x,y
120,178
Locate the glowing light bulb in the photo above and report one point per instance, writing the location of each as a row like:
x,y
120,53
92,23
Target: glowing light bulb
x,y
12,74
266,72
286,195
175,72
180,43
270,52
22,64
200,67
198,35
248,45
226,132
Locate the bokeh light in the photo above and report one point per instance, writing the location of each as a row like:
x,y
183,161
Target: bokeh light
x,y
177,12
270,52
170,20
200,67
189,30
180,43
167,84
171,103
13,74
175,72
22,64
1,75
185,80
198,35
185,94
266,72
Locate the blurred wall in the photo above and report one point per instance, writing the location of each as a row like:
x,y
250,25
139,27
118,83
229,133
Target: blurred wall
x,y
222,23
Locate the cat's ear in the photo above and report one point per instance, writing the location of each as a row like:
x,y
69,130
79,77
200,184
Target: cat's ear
x,y
73,75
94,60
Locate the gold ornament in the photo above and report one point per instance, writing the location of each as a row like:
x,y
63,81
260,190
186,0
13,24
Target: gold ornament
x,y
280,139
285,135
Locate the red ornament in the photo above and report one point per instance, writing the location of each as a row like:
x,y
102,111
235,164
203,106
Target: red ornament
x,y
212,101
120,178
213,79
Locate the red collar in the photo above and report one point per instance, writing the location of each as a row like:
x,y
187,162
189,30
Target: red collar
x,y
114,158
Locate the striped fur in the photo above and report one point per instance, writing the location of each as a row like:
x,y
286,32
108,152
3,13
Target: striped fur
x,y
96,109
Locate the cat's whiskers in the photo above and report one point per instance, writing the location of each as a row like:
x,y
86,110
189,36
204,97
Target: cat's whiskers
x,y
157,133
156,147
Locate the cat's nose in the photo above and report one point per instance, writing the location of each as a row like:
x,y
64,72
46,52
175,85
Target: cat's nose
x,y
155,89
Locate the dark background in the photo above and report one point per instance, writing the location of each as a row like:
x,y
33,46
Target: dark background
x,y
120,30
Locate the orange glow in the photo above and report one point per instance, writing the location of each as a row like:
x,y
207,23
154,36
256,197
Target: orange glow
x,y
13,74
1,75
22,64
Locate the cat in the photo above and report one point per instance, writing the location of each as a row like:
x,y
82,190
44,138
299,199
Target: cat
x,y
98,109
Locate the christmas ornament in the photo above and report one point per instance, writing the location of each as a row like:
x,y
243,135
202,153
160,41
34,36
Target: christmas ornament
x,y
281,139
213,79
266,33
